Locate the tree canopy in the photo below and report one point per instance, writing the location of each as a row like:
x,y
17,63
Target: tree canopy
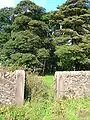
x,y
46,41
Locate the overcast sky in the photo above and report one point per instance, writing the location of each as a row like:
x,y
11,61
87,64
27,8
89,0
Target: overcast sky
x,y
48,4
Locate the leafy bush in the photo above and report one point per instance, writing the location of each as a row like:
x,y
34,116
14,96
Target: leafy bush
x,y
35,88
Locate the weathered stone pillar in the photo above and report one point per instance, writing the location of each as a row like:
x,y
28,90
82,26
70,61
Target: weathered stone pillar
x,y
72,84
20,81
59,84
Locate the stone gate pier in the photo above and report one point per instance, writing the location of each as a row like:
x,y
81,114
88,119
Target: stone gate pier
x,y
12,87
72,83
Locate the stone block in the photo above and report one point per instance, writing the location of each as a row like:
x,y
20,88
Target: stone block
x,y
72,83
12,87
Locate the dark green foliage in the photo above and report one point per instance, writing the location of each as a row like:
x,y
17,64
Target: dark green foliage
x,y
29,9
6,16
43,56
5,25
71,57
25,41
21,41
69,40
20,23
39,28
4,37
46,42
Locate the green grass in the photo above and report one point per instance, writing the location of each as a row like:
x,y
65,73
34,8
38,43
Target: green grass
x,y
50,108
73,109
48,80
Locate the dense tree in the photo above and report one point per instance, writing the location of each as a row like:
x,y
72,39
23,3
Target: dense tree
x,y
20,23
27,38
29,9
5,25
6,16
45,42
43,55
39,28
69,39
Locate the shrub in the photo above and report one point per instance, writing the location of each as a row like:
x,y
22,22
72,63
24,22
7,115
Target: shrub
x,y
35,88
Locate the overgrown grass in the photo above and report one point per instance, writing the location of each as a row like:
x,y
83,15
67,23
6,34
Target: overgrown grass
x,y
48,80
72,109
43,106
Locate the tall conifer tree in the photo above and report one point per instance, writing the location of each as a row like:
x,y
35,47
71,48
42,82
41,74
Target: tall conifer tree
x,y
72,39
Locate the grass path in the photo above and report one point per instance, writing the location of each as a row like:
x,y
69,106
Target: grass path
x,y
69,109
48,79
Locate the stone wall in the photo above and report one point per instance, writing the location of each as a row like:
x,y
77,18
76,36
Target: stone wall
x,y
12,87
72,84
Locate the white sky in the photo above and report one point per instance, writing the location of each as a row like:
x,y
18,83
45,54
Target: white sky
x,y
40,2
7,3
48,4
12,3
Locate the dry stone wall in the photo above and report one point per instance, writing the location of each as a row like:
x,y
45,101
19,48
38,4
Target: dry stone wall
x,y
72,83
12,87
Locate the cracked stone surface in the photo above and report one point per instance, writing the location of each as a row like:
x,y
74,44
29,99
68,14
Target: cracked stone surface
x,y
12,87
72,83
